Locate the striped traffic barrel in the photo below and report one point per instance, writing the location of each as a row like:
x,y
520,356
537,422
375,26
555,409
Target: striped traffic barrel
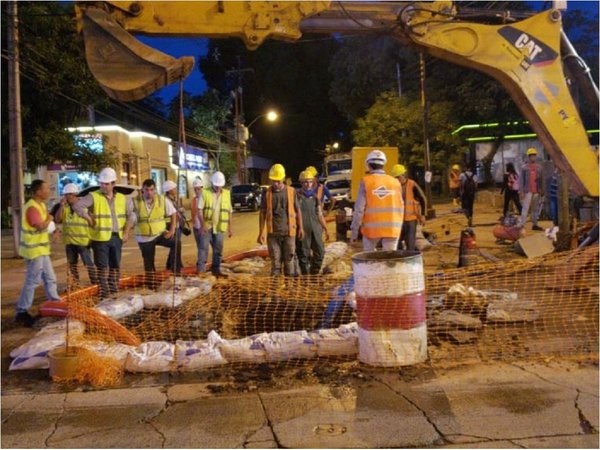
x,y
390,297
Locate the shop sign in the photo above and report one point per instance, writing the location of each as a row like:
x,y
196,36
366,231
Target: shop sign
x,y
191,158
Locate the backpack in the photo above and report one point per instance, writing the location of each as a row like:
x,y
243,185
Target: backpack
x,y
469,186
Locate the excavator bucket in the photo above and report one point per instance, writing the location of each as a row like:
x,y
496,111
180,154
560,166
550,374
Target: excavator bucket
x,y
125,68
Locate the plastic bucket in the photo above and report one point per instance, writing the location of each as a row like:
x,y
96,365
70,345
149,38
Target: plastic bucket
x,y
390,298
62,364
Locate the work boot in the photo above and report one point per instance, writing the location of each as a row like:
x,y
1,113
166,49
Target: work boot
x,y
537,228
25,319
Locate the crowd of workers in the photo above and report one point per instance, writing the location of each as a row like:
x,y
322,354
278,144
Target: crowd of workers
x,y
387,210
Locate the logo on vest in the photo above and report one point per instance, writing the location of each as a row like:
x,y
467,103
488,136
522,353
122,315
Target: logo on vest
x,y
381,192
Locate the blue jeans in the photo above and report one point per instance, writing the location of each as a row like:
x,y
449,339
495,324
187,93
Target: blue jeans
x,y
216,241
107,257
38,269
73,252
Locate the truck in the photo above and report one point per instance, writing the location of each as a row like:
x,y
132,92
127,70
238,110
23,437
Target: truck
x,y
524,51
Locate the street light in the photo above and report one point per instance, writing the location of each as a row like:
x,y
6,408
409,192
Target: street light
x,y
271,116
243,134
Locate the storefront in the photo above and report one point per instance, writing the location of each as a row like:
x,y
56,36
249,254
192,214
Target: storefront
x,y
193,163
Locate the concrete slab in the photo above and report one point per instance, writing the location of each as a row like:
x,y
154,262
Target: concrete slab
x,y
578,441
485,444
28,428
117,397
216,422
367,416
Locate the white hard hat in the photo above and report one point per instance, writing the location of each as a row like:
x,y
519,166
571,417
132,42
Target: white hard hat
x,y
107,175
377,156
168,186
71,188
198,183
218,179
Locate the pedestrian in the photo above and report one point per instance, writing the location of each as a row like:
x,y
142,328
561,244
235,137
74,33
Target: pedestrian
x,y
454,183
197,205
321,190
468,187
174,261
153,214
310,248
414,206
34,246
531,189
110,216
280,212
510,188
215,221
75,236
379,209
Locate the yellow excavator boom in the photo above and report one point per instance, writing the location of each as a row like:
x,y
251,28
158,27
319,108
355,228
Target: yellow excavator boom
x,y
523,55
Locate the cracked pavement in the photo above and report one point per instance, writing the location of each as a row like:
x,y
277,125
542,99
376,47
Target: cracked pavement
x,y
496,405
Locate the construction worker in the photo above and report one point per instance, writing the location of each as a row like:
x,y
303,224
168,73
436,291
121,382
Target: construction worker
x,y
321,189
174,262
279,210
153,213
414,206
215,221
379,209
34,246
313,224
111,217
531,189
468,188
197,205
76,236
454,184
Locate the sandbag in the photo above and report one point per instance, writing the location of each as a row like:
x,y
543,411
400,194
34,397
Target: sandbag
x,y
116,351
155,356
282,346
75,327
198,355
508,233
336,341
248,349
33,354
121,307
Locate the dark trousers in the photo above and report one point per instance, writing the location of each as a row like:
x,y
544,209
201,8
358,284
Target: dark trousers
x,y
313,241
509,195
107,258
174,262
148,250
282,249
73,253
409,234
467,201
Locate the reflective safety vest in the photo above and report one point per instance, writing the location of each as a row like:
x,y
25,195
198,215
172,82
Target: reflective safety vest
x,y
384,210
208,209
291,212
75,230
454,179
103,229
411,206
150,223
33,243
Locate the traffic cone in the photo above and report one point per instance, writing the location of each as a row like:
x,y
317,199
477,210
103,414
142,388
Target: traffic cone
x,y
467,250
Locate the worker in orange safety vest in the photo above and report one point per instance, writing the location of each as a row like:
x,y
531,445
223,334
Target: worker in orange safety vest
x,y
414,206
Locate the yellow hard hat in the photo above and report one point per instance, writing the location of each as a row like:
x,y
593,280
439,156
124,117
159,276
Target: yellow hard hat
x,y
311,171
398,170
456,167
277,172
531,151
305,175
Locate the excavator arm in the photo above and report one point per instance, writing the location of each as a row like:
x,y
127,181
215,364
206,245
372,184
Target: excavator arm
x,y
523,55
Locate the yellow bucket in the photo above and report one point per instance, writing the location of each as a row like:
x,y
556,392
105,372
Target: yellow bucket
x,y
63,364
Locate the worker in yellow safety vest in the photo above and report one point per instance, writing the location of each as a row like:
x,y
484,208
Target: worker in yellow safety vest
x,y
215,221
110,216
379,209
280,212
454,184
34,246
153,214
76,237
414,206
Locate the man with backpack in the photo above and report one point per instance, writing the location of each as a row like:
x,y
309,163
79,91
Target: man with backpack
x,y
468,186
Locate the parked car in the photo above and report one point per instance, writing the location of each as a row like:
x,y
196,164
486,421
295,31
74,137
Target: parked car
x,y
246,196
339,186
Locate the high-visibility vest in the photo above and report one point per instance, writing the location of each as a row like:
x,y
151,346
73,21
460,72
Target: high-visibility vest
x,y
291,212
208,209
102,231
152,223
75,230
454,179
33,243
384,210
411,206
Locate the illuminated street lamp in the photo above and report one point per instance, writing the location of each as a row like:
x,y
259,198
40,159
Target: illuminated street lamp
x,y
243,134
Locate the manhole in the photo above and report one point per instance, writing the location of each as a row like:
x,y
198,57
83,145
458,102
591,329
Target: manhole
x,y
330,429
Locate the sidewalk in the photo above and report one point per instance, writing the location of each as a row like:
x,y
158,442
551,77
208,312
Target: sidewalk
x,y
524,405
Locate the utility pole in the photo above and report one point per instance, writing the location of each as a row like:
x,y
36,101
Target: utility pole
x,y
430,213
14,117
399,79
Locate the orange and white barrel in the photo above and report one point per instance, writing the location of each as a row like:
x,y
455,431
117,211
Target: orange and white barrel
x,y
390,300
